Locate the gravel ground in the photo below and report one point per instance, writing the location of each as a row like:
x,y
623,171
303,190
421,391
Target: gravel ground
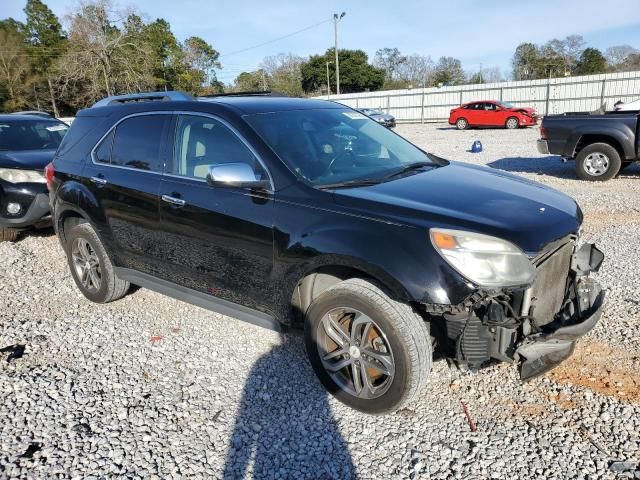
x,y
155,388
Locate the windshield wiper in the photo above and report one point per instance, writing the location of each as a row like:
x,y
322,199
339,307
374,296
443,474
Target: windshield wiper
x,y
351,183
409,168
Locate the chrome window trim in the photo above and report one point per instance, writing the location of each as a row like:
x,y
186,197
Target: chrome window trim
x,y
178,112
113,127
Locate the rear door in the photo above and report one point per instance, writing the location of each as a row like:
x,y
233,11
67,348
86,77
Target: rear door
x,y
473,114
217,240
124,177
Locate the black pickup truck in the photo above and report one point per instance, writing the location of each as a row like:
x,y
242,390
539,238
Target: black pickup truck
x,y
601,145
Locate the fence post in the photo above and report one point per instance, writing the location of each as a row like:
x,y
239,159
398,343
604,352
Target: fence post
x,y
546,103
460,97
422,107
357,102
604,83
501,93
388,103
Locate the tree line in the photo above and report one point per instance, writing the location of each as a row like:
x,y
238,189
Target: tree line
x,y
105,51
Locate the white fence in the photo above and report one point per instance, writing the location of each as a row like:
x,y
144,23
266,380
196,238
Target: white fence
x,y
556,95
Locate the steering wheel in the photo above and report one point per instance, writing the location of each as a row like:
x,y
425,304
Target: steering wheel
x,y
337,160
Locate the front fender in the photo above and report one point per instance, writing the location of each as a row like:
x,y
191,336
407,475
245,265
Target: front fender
x,y
399,257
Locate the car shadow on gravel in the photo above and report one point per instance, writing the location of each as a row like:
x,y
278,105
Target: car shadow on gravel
x,y
284,427
551,165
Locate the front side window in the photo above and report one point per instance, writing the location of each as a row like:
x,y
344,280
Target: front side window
x,y
202,142
328,146
31,134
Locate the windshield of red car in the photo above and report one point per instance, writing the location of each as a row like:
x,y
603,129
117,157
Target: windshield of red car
x,y
31,134
326,146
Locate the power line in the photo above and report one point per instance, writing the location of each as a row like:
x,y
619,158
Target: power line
x,y
276,39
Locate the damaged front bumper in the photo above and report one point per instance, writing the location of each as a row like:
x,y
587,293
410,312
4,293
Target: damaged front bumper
x,y
540,352
535,327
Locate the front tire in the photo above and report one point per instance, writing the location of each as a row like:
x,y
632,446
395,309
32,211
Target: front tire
x,y
369,351
91,268
512,123
598,162
8,234
462,124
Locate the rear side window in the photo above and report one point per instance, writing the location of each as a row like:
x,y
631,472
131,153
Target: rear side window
x,y
137,142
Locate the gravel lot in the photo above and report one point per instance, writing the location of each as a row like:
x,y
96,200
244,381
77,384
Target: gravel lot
x,y
155,388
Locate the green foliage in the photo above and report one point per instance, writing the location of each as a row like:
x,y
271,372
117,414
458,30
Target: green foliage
x,y
449,71
356,74
591,62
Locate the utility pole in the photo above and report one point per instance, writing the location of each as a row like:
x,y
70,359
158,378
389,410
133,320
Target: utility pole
x,y
264,81
336,19
328,84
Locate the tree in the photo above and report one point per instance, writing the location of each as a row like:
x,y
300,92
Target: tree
x,y
591,62
525,62
283,73
167,63
356,75
47,42
14,67
416,70
631,63
250,81
390,60
617,54
105,55
449,71
201,60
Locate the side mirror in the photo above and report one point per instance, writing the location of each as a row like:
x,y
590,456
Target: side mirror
x,y
239,175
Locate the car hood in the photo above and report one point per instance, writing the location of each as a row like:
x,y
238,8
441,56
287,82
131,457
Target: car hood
x,y
530,111
26,159
469,197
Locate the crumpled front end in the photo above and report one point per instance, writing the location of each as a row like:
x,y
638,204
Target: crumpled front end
x,y
535,327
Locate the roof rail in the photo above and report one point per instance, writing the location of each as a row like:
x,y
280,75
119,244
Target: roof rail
x,y
253,93
33,112
174,96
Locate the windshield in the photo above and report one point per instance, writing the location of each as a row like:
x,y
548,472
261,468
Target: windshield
x,y
328,146
31,134
505,104
371,111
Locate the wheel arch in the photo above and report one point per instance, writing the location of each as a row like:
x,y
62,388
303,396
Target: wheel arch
x,y
616,138
314,280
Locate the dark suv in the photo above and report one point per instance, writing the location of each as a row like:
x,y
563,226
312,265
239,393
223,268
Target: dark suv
x,y
304,213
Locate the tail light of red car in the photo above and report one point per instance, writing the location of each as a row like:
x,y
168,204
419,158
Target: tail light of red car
x,y
49,171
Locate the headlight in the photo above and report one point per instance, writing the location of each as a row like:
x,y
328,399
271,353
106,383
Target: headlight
x,y
486,261
13,175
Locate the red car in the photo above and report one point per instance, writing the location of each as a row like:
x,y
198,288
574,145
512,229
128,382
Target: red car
x,y
490,113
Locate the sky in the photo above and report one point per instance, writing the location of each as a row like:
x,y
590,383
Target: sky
x,y
475,31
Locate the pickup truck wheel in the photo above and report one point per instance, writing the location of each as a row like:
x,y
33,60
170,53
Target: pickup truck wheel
x,y
91,268
462,124
369,351
8,234
598,162
512,123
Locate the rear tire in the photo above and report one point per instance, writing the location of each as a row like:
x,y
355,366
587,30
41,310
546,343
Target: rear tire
x,y
512,123
598,162
462,124
91,268
8,234
382,352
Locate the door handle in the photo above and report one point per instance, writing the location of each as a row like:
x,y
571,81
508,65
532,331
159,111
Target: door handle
x,y
174,201
99,180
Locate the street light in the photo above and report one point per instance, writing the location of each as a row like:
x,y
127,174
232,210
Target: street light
x,y
336,19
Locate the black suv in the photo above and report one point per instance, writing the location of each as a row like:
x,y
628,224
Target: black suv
x,y
304,213
27,144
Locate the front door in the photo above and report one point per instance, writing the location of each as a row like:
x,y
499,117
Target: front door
x,y
124,176
217,240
